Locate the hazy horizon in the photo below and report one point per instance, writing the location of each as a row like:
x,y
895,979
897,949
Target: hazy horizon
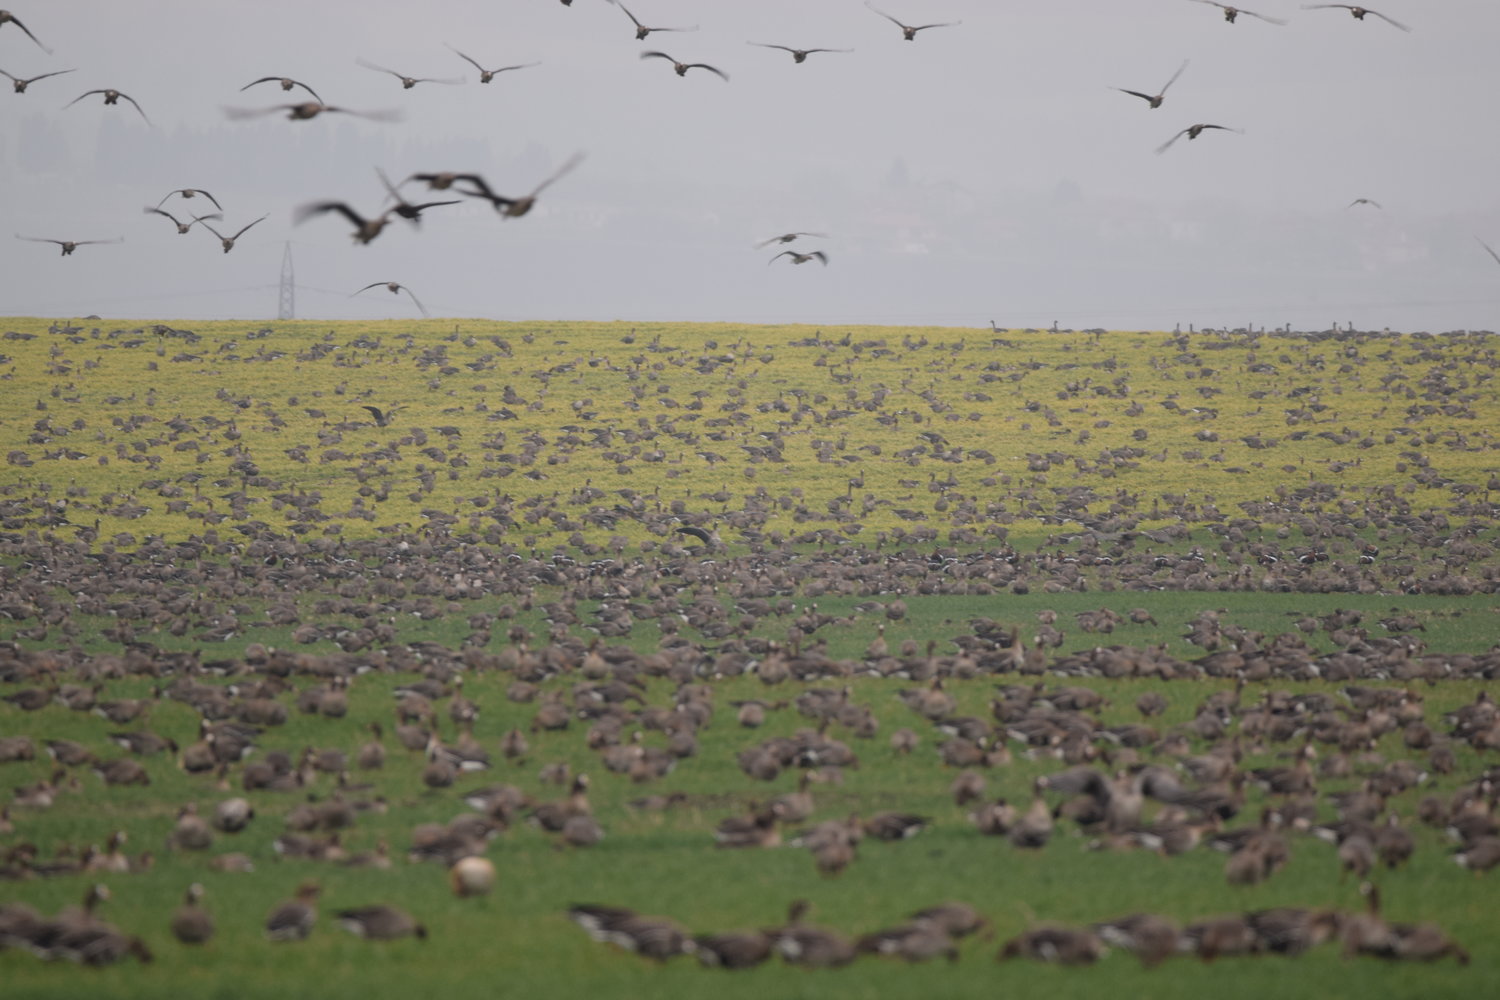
x,y
987,171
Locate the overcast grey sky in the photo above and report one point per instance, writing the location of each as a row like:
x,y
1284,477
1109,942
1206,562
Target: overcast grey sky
x,y
984,171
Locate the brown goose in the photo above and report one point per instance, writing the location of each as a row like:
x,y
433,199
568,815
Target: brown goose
x,y
287,83
308,110
912,942
371,756
393,288
909,32
189,193
1192,132
682,67
293,919
801,258
1358,12
1063,945
657,938
192,924
227,242
1230,13
20,85
405,209
182,227
514,208
6,17
734,949
1154,101
408,82
111,96
486,75
365,230
1489,250
379,923
641,31
798,55
814,947
68,246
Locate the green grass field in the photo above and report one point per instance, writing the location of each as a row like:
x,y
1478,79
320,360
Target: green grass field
x,y
166,493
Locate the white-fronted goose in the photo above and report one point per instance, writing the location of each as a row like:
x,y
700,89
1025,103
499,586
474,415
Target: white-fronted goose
x,y
814,947
287,83
192,924
408,211
1063,945
227,242
682,67
486,75
1154,101
1151,938
20,84
408,82
1358,12
641,31
1193,131
307,110
657,938
733,949
111,96
394,287
182,227
909,32
379,923
801,258
1230,13
365,230
293,919
68,246
514,208
798,55
6,17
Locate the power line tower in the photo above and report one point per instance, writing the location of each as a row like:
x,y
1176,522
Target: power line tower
x,y
287,308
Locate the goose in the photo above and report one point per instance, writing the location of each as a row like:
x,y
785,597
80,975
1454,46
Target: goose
x,y
734,949
514,208
814,947
798,55
1489,250
1154,101
909,32
408,82
227,242
293,919
1292,930
189,193
182,227
365,230
68,246
552,815
582,830
111,96
394,287
1358,12
191,923
656,938
801,258
191,832
1365,201
1151,938
682,67
1063,945
1034,827
405,209
486,75
1480,855
895,825
787,238
371,756
641,31
6,17
308,110
233,815
471,876
287,83
1193,131
757,830
914,942
1230,13
20,84
379,923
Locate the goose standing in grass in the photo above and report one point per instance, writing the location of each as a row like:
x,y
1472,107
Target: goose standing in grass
x,y
656,938
111,96
293,919
814,947
192,924
379,923
20,84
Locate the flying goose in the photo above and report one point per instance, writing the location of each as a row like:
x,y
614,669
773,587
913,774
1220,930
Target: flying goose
x,y
1358,12
908,31
227,242
182,227
1192,132
514,208
20,85
1365,201
486,75
190,193
365,230
307,110
1489,250
192,924
1230,13
68,246
111,96
1154,100
394,288
682,68
787,238
798,55
408,82
641,31
287,83
6,17
800,258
